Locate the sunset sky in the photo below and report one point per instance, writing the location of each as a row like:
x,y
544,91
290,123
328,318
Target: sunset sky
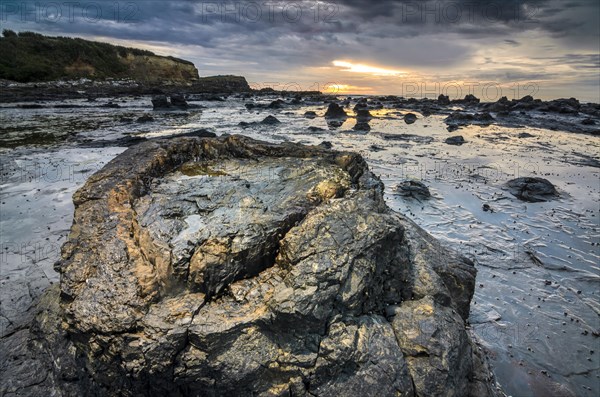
x,y
547,48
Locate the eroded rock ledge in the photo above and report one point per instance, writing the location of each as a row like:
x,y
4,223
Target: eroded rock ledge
x,y
208,267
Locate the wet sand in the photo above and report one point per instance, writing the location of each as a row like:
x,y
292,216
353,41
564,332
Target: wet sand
x,y
536,307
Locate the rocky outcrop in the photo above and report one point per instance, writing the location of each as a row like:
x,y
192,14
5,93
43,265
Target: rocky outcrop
x,y
335,111
532,190
229,266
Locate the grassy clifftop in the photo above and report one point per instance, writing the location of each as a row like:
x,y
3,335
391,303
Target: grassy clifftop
x,y
32,57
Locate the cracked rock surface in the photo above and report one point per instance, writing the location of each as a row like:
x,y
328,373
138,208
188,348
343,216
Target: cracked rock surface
x,y
209,267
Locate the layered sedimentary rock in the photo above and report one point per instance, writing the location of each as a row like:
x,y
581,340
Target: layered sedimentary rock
x,y
229,266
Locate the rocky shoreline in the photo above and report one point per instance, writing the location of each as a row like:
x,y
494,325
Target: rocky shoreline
x,y
229,265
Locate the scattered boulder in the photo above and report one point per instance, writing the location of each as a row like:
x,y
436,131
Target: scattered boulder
x,y
362,126
277,104
532,189
414,189
201,133
335,111
455,140
310,115
179,101
410,118
160,102
235,267
443,100
163,102
145,119
458,118
363,115
523,135
270,120
471,99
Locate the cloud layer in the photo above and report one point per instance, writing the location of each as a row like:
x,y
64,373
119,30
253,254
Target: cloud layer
x,y
551,43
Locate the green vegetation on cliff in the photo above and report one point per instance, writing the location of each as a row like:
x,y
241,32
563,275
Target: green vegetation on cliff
x,y
32,57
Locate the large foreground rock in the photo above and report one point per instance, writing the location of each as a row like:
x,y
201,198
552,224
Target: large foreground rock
x,y
210,267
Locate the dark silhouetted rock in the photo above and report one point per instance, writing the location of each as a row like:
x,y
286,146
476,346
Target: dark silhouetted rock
x,y
414,189
270,120
471,99
525,135
443,99
179,101
335,111
455,140
362,126
363,115
310,114
532,189
410,118
201,133
458,118
145,119
160,102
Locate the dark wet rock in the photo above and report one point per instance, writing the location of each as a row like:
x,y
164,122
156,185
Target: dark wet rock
x,y
362,126
316,129
310,114
179,101
443,100
462,119
201,133
30,106
532,189
526,99
410,118
376,148
426,111
588,121
361,105
471,99
145,119
326,144
455,140
525,135
414,189
408,138
363,115
161,102
276,104
111,105
234,267
335,123
270,120
335,111
164,102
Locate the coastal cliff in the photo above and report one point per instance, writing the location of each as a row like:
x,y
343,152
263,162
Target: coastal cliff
x,y
31,57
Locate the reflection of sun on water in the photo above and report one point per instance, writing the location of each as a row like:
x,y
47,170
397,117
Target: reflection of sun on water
x,y
361,68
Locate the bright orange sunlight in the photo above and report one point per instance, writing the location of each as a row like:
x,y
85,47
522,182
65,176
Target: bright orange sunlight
x,y
361,68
